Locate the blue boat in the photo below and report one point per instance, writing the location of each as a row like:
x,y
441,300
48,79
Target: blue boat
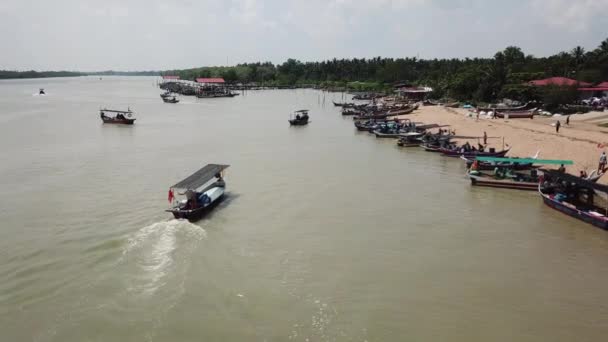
x,y
575,197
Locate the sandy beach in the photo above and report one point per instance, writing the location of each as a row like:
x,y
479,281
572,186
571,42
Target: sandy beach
x,y
582,141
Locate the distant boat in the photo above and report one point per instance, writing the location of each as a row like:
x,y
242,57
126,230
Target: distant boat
x,y
120,116
299,118
199,198
41,91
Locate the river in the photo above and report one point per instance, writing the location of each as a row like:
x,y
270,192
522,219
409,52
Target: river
x,y
326,234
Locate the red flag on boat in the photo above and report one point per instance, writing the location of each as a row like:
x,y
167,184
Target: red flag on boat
x,y
171,196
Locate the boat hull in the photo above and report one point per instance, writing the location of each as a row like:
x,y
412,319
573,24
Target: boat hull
x,y
196,214
118,121
403,144
472,155
298,122
502,184
573,212
386,135
515,115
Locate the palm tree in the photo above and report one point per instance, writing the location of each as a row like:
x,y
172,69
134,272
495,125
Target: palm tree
x,y
578,54
604,46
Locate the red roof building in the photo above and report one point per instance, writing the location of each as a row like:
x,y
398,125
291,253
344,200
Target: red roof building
x,y
600,87
559,81
168,77
217,80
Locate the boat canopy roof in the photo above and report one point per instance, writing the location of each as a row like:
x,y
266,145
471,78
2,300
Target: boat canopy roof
x,y
526,160
116,111
200,177
301,111
577,180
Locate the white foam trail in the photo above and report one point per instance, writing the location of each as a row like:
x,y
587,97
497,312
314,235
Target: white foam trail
x,y
152,249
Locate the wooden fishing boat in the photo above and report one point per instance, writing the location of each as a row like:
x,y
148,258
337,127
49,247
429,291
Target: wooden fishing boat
x,y
120,117
503,108
528,114
452,105
404,111
348,112
343,105
299,118
410,139
431,148
575,197
393,134
200,195
513,181
472,154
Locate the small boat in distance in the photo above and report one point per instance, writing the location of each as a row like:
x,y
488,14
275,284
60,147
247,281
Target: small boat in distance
x,y
120,116
299,118
200,193
41,91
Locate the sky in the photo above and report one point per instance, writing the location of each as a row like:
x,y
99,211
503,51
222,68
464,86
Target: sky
x,y
84,35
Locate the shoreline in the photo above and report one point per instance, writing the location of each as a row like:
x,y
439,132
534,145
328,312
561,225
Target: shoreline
x,y
582,141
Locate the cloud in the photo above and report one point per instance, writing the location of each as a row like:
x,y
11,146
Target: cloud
x,y
569,15
161,34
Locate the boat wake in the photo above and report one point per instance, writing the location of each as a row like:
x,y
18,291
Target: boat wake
x,y
157,250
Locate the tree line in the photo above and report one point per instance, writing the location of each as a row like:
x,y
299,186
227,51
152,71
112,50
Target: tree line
x,y
478,79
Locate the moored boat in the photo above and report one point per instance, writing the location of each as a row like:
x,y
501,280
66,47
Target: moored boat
x,y
490,163
200,195
410,139
575,197
506,177
469,154
120,116
511,181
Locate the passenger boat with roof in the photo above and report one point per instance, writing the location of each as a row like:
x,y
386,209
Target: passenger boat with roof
x,y
121,117
490,163
203,190
299,118
506,177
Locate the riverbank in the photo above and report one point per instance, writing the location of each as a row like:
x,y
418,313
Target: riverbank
x,y
581,141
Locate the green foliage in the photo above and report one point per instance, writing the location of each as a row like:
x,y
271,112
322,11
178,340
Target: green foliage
x,y
6,74
479,79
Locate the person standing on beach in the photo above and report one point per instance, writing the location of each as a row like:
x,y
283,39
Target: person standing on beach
x,y
602,166
557,125
485,138
568,120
